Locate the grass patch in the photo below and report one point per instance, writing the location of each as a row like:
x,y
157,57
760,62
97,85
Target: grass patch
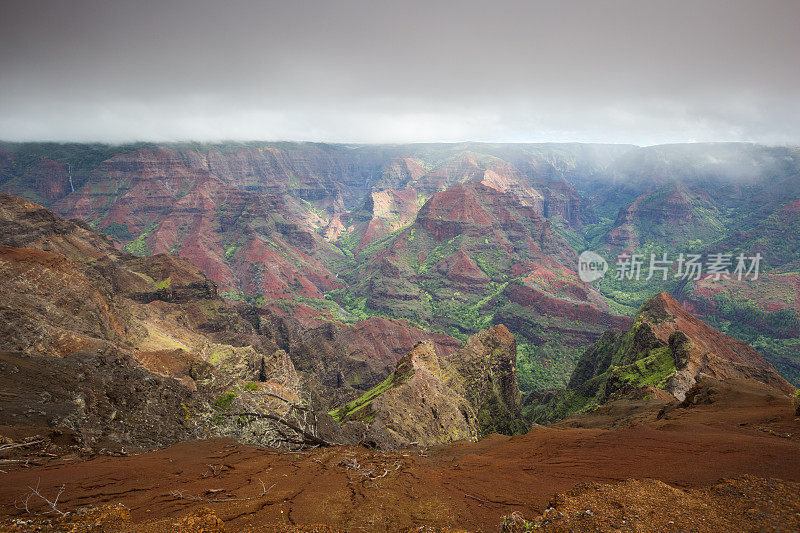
x,y
350,409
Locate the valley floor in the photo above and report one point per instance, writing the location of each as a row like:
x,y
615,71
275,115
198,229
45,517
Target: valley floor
x,y
751,436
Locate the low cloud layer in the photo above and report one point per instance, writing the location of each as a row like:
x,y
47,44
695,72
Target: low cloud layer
x,y
636,72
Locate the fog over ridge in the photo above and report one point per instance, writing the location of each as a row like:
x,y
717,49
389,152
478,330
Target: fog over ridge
x,y
628,72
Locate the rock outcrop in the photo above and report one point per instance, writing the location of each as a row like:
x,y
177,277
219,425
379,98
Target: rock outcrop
x,y
421,404
488,366
69,293
666,349
120,351
433,400
94,400
700,349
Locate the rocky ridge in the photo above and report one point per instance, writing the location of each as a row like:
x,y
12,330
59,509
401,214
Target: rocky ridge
x,y
667,350
148,345
433,400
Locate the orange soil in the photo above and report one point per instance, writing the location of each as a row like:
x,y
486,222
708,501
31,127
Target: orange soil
x,y
463,485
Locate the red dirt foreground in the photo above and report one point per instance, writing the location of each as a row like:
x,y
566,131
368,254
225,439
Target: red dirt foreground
x,y
729,461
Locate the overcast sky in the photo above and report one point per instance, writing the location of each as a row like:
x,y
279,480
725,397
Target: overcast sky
x,y
401,71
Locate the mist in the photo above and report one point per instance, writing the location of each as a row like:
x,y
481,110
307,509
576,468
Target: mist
x,y
628,72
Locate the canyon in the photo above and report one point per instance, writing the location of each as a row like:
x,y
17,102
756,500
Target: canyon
x,y
393,316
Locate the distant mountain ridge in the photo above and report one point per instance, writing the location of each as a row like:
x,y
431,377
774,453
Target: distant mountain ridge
x,y
319,231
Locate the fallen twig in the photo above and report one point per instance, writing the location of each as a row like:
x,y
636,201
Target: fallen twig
x,y
215,470
279,397
35,492
352,464
5,447
180,495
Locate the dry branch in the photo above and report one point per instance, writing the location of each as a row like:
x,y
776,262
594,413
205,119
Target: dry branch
x,y
308,438
477,499
20,445
352,464
180,495
51,504
279,397
215,470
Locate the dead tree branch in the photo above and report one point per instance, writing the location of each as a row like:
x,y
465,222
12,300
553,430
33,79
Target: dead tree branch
x,y
181,496
20,445
279,397
476,498
25,503
352,464
308,438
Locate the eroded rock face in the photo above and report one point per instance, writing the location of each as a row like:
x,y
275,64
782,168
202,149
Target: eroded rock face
x,y
104,399
383,212
434,400
121,351
215,212
667,349
68,290
50,179
488,366
424,403
341,362
700,349
461,269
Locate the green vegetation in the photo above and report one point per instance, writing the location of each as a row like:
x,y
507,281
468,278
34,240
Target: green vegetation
x,y
488,262
652,369
256,300
775,334
231,251
233,294
576,240
545,366
345,306
568,402
355,409
751,320
347,242
353,305
225,401
117,231
139,246
330,308
441,251
516,523
636,358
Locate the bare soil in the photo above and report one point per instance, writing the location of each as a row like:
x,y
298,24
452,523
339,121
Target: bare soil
x,y
463,486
